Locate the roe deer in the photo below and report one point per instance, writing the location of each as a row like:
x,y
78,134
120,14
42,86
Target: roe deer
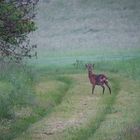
x,y
100,79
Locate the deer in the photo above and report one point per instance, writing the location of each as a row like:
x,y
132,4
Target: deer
x,y
95,79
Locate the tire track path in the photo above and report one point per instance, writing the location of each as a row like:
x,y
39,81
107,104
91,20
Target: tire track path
x,y
77,115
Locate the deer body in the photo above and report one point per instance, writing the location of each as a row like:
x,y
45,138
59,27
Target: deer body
x,y
100,79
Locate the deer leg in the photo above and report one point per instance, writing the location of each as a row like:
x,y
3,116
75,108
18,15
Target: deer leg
x,y
108,87
103,88
93,89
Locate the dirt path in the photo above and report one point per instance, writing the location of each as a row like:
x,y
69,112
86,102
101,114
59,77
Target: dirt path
x,y
75,111
91,114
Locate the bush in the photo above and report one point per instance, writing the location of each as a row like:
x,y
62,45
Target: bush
x,y
16,89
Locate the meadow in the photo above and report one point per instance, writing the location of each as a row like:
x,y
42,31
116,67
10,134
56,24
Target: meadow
x,y
56,103
49,98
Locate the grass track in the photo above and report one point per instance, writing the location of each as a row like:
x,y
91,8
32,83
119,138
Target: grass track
x,y
123,120
48,97
104,108
66,110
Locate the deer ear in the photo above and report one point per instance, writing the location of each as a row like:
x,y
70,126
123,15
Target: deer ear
x,y
86,65
93,65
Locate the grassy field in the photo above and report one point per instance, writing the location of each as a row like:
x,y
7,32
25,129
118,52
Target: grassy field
x,y
80,115
50,98
57,103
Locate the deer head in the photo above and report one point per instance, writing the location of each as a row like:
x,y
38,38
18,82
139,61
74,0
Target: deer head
x,y
89,67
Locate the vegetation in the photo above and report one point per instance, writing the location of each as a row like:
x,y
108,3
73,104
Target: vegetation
x,y
16,22
78,114
28,95
16,80
50,98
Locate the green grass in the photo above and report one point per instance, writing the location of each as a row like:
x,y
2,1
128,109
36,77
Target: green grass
x,y
18,92
124,115
56,84
92,129
129,68
15,89
104,107
20,89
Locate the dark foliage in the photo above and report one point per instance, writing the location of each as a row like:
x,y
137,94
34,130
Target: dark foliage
x,y
16,22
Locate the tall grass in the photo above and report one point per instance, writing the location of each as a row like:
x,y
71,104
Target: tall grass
x,y
16,92
129,68
16,88
17,83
